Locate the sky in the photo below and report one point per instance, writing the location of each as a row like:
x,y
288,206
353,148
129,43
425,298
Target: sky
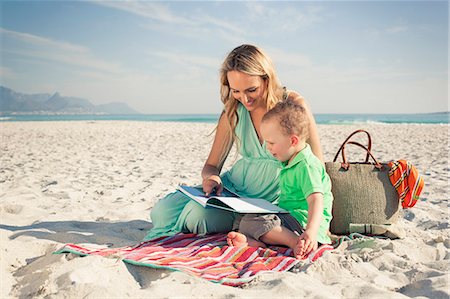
x,y
164,57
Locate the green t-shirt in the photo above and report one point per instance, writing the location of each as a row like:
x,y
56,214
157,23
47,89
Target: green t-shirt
x,y
303,176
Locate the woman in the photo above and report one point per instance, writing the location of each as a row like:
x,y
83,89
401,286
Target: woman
x,y
249,88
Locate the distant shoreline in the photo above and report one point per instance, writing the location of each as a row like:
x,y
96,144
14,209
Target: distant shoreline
x,y
340,119
196,114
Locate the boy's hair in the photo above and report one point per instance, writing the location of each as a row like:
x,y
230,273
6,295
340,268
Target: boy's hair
x,y
291,116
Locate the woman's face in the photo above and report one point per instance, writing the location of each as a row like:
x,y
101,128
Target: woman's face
x,y
249,90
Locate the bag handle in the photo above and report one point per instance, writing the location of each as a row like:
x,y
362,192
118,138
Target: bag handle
x,y
369,144
345,164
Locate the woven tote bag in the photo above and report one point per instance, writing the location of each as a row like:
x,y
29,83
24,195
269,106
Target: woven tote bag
x,y
362,191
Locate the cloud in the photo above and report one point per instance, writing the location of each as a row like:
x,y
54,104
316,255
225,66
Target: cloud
x,y
206,20
163,13
282,57
46,49
151,10
232,28
74,70
283,16
396,29
185,59
42,41
348,79
6,73
67,66
198,24
331,89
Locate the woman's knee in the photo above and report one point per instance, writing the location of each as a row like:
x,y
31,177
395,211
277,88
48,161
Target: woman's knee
x,y
167,209
201,221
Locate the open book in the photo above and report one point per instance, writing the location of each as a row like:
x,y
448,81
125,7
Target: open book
x,y
231,202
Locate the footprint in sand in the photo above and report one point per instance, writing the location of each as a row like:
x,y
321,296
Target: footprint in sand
x,y
13,209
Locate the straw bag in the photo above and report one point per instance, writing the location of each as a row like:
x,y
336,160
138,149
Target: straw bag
x,y
364,199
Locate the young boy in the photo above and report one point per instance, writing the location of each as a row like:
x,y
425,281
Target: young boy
x,y
305,188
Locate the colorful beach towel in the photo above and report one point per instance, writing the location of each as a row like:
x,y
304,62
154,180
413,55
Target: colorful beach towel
x,y
208,257
407,181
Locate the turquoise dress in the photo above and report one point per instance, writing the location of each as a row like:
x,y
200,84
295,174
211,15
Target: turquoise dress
x,y
256,174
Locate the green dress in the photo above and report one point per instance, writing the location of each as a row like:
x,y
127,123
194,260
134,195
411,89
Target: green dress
x,y
255,174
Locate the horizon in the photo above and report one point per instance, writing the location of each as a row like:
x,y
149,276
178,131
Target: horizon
x,y
343,57
193,113
180,114
441,118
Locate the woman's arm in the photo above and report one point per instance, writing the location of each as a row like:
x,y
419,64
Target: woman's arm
x,y
214,163
313,139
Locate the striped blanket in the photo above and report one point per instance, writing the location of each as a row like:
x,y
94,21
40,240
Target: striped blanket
x,y
208,257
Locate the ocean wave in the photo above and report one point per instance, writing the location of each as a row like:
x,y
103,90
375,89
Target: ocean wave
x,y
352,122
336,119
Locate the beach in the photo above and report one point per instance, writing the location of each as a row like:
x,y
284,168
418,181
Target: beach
x,y
97,181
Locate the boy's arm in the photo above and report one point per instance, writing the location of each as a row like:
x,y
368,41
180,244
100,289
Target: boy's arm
x,y
315,211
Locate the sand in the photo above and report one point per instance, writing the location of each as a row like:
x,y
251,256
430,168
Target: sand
x,y
96,182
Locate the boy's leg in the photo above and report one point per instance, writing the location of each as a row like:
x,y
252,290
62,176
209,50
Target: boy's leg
x,y
267,228
280,235
251,227
282,229
288,221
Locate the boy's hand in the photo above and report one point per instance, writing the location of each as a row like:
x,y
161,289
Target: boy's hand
x,y
315,211
307,243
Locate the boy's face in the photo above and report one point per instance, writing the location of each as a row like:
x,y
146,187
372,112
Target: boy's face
x,y
278,143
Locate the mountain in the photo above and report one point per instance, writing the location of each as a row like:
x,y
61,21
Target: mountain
x,y
15,102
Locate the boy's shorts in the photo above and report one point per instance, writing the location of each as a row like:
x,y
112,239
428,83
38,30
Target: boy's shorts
x,y
256,225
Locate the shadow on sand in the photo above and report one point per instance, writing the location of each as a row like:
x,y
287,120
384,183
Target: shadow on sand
x,y
115,234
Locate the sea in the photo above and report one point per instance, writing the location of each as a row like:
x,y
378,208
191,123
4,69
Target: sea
x,y
343,119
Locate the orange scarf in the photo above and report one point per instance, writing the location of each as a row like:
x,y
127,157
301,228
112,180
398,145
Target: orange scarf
x,y
407,181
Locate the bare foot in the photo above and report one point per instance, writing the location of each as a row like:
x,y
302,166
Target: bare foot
x,y
299,249
237,239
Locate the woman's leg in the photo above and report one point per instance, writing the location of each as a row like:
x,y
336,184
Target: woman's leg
x,y
165,213
177,213
198,220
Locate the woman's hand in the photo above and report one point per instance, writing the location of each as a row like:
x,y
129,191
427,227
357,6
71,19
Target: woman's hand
x,y
212,184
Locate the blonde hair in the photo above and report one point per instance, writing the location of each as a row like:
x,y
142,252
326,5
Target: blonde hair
x,y
252,61
292,118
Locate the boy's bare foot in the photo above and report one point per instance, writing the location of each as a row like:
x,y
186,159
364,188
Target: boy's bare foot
x,y
299,249
237,239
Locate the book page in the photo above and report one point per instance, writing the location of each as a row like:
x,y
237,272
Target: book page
x,y
195,193
245,205
198,191
230,201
